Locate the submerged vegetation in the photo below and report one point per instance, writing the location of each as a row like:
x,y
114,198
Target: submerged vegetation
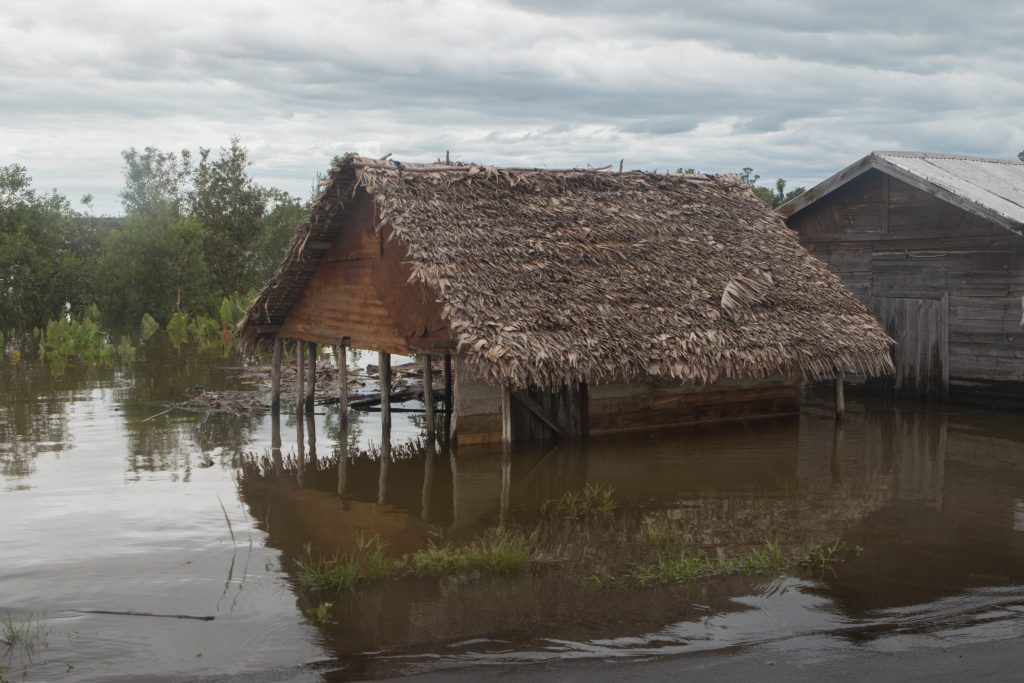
x,y
582,536
20,640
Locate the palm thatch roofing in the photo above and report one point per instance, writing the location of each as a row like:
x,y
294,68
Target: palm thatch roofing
x,y
547,277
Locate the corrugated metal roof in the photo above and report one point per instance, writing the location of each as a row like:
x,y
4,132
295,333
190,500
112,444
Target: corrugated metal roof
x,y
995,183
992,188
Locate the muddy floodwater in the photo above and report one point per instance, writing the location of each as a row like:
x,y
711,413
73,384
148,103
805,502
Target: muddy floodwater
x,y
164,547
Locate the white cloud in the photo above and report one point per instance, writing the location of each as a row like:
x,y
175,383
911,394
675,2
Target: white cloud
x,y
794,89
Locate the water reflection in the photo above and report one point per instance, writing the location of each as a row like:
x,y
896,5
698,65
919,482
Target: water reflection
x,y
935,498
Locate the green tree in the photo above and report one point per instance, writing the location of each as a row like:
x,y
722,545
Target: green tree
x,y
154,180
231,206
773,197
278,228
43,254
153,264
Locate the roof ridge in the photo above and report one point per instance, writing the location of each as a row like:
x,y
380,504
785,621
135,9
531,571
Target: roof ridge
x,y
945,155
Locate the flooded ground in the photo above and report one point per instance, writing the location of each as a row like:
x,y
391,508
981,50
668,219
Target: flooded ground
x,y
166,547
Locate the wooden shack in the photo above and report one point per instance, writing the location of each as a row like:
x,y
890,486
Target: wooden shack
x,y
930,243
573,302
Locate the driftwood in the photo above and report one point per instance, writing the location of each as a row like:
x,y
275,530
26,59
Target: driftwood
x,y
138,614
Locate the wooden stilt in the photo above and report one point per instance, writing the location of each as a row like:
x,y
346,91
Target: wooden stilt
x,y
275,443
506,416
343,382
428,465
275,379
343,412
300,449
840,396
384,359
448,397
311,381
311,438
428,391
300,376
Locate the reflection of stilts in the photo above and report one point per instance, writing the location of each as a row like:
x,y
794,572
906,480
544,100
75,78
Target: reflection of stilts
x,y
506,486
385,425
300,445
428,465
275,443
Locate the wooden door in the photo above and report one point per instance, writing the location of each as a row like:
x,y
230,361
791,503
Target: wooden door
x,y
921,330
537,414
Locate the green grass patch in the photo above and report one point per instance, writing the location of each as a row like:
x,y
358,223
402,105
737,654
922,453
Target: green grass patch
x,y
594,502
344,575
499,553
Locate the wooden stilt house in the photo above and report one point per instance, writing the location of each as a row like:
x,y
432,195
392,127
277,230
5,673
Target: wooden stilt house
x,y
931,243
573,302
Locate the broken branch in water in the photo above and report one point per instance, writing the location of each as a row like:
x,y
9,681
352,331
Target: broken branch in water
x,y
138,614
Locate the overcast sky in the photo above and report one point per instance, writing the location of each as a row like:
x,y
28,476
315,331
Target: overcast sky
x,y
794,89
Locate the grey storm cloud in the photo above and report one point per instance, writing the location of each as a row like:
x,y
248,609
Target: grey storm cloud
x,y
794,89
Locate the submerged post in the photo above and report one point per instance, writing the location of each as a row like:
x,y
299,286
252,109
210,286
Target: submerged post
x,y
311,438
428,464
275,444
300,451
506,417
840,396
428,392
300,375
343,381
343,414
384,359
275,378
311,385
448,383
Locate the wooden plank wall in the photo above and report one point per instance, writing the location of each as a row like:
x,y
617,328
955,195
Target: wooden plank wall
x,y
628,406
360,291
885,238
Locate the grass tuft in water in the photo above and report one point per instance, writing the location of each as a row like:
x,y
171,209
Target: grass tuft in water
x,y
822,557
690,565
21,640
500,552
321,614
594,502
344,575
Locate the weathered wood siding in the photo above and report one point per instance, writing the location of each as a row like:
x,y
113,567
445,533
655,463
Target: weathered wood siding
x,y
623,406
888,240
634,406
359,290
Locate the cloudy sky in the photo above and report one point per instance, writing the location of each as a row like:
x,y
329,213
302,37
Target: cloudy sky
x,y
794,89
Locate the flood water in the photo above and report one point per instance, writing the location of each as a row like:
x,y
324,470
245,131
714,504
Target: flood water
x,y
193,522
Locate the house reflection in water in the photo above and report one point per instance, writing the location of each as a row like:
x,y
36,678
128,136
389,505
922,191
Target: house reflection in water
x,y
933,495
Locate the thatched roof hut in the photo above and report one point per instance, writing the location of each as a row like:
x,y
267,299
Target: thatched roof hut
x,y
542,278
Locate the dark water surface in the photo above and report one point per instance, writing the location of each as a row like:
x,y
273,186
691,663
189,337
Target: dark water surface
x,y
104,510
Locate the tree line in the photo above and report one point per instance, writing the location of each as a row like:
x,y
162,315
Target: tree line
x,y
197,228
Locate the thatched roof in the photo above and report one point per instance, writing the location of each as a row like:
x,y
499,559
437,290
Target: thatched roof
x,y
554,276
